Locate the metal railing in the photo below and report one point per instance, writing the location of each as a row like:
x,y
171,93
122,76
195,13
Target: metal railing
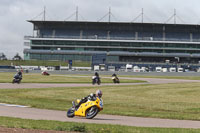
x,y
115,38
152,63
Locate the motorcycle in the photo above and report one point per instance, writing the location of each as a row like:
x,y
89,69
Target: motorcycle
x,y
96,80
88,109
16,79
45,73
115,79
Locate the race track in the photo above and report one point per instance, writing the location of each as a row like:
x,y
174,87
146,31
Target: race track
x,y
42,114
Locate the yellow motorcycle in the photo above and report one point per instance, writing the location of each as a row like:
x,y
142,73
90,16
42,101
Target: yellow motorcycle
x,y
115,80
88,109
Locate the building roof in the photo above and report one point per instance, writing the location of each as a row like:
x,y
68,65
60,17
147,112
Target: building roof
x,y
111,23
110,26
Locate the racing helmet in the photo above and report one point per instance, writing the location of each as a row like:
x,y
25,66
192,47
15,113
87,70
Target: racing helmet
x,y
20,73
99,93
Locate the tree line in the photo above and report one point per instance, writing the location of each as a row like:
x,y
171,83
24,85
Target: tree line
x,y
16,57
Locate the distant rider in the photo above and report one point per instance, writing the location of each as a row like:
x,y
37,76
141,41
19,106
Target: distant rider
x,y
18,75
115,78
115,75
96,79
91,97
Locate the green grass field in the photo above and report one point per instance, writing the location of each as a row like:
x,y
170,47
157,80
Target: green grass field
x,y
38,78
83,127
164,77
43,63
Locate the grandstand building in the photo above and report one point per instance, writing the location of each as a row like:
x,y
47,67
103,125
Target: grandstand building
x,y
117,41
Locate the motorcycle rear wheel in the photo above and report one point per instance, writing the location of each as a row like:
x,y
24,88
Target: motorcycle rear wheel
x,y
70,112
99,82
92,112
19,81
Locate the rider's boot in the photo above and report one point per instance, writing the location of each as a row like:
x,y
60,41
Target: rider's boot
x,y
74,105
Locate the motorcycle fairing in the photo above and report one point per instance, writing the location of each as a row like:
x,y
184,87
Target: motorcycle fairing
x,y
85,106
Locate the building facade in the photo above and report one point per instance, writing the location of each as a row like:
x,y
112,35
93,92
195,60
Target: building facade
x,y
119,42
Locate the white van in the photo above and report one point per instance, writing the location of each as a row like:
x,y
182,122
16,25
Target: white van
x,y
172,69
129,68
180,69
164,70
136,69
143,69
111,68
96,67
158,69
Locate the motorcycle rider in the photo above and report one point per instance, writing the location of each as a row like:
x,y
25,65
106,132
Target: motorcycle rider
x,y
115,77
18,76
91,97
96,79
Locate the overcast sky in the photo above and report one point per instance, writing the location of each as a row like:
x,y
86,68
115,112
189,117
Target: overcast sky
x,y
15,13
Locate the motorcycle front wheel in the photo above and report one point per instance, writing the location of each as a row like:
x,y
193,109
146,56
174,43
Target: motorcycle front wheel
x,y
93,81
92,112
70,112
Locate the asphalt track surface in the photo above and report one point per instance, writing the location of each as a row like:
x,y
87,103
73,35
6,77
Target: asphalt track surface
x,y
43,114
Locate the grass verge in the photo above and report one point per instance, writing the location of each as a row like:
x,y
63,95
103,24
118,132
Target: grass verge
x,y
38,78
164,77
43,63
83,127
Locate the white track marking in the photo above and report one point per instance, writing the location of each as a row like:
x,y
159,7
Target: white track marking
x,y
13,105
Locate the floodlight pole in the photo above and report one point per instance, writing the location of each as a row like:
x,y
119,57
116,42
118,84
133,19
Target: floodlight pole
x,y
142,15
174,16
77,13
109,14
44,17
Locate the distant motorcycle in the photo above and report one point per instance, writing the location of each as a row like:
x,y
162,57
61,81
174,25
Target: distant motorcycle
x,y
115,80
96,80
45,73
17,79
